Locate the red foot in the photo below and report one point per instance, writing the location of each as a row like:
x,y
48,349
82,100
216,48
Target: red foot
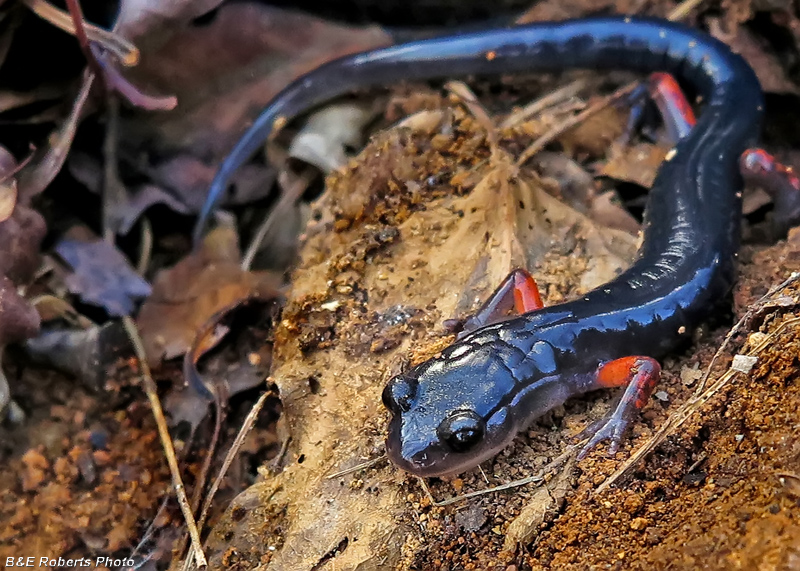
x,y
761,168
640,374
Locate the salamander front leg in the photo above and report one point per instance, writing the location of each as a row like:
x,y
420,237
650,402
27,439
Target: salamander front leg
x,y
640,376
516,294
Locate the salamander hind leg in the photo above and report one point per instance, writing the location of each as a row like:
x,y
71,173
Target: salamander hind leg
x,y
758,167
676,114
761,169
516,294
639,375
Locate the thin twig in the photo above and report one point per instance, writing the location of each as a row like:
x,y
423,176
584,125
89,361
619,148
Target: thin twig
x,y
7,176
79,24
569,451
247,425
275,463
571,122
291,191
115,195
470,101
751,311
125,51
357,467
166,441
219,418
40,173
539,105
149,534
682,10
678,13
426,489
115,81
510,485
197,494
146,246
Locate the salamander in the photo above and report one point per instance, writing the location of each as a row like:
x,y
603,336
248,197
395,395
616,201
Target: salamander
x,y
463,406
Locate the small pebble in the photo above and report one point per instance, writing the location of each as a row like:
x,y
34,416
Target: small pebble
x,y
743,363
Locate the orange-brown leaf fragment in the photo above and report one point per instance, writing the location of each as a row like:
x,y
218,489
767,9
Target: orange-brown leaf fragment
x,y
187,295
634,163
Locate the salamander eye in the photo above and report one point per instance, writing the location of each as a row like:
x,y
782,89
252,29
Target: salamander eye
x,y
462,430
399,393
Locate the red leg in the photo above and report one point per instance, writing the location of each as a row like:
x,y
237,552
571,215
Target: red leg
x,y
516,294
640,375
677,114
761,169
758,167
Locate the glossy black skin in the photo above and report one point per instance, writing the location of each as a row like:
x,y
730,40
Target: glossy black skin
x,y
500,377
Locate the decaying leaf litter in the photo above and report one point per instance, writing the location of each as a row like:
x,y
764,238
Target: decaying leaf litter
x,y
436,204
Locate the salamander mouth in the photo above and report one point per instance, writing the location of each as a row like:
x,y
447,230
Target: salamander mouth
x,y
424,464
415,455
429,458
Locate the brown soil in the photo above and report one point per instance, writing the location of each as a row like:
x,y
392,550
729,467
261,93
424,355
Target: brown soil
x,y
423,223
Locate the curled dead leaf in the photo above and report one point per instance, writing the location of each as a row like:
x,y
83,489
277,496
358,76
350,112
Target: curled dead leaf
x,y
223,73
249,369
101,275
186,296
327,135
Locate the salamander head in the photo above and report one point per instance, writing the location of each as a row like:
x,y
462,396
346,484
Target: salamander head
x,y
448,416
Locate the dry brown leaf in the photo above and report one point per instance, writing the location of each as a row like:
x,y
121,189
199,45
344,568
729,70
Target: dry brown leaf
x,y
226,377
771,74
606,210
634,163
575,184
187,295
552,10
543,506
223,74
596,134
